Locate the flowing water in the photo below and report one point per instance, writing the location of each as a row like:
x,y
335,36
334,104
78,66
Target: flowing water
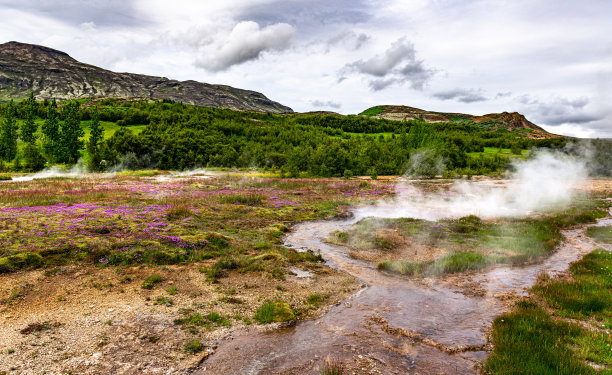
x,y
393,325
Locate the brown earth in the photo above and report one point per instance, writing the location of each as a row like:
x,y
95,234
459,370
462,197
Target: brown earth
x,y
109,324
401,249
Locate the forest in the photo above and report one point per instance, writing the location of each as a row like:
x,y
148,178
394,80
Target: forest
x,y
113,134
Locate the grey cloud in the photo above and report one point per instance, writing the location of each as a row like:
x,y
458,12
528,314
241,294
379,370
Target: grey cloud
x,y
560,110
325,104
308,16
246,42
103,13
572,118
397,65
348,39
381,65
462,95
503,94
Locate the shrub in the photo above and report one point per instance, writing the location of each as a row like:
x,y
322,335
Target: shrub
x,y
150,281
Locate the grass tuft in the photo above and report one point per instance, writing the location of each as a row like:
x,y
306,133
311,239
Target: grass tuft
x,y
150,281
271,312
193,346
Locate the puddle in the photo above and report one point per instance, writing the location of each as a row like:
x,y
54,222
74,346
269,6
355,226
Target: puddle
x,y
300,274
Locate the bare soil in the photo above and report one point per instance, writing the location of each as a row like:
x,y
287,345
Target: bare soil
x,y
109,324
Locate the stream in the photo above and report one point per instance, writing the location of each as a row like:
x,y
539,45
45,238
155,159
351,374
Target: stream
x,y
394,324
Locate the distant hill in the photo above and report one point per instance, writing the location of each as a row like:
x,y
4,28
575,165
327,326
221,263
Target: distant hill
x,y
54,74
495,121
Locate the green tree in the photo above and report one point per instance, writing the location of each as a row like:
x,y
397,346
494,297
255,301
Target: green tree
x,y
8,133
33,159
29,127
50,130
93,145
70,134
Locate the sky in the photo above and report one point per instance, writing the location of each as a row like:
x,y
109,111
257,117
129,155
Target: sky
x,y
550,60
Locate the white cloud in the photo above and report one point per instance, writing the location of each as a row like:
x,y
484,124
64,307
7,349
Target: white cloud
x,y
398,64
385,50
246,42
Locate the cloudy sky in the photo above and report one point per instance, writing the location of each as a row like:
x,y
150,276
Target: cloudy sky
x,y
548,59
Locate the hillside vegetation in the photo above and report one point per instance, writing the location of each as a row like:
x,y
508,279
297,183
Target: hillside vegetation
x,y
171,135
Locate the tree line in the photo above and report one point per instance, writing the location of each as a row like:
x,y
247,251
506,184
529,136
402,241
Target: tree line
x,y
181,136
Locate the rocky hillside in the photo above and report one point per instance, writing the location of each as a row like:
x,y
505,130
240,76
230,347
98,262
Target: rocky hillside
x,y
495,121
54,74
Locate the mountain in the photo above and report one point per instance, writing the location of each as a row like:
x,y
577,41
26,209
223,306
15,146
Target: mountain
x,y
54,74
513,121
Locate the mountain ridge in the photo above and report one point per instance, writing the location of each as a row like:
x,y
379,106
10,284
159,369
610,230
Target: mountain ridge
x,y
51,73
512,121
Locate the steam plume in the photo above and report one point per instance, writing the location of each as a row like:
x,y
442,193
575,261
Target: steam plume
x,y
545,181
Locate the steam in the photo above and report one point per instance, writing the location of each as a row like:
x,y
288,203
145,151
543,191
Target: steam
x,y
546,181
76,171
198,173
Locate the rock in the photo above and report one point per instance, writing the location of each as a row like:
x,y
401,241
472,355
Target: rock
x,y
49,73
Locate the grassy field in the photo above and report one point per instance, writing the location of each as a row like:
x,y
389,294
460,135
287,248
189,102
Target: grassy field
x,y
199,256
504,152
563,328
131,220
109,128
458,245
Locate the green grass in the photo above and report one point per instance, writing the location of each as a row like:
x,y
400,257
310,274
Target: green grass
x,y
373,111
588,295
193,346
315,299
161,300
20,261
600,234
110,128
191,320
150,281
271,312
503,152
530,340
